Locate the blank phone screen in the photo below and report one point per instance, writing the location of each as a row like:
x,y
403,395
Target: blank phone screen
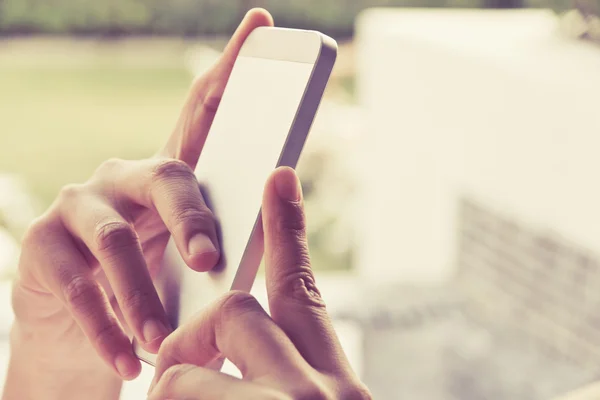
x,y
243,147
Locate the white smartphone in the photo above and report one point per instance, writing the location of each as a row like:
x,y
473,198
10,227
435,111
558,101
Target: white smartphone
x,y
262,122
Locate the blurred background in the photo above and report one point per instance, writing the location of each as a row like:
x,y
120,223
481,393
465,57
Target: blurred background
x,y
450,174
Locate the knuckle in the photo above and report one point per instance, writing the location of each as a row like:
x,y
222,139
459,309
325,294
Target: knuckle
x,y
211,102
114,235
135,299
81,293
207,98
356,391
36,232
171,168
103,181
193,217
109,167
108,336
198,87
70,193
236,302
299,287
311,391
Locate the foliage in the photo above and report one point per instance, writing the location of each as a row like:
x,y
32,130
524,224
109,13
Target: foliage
x,y
185,17
210,17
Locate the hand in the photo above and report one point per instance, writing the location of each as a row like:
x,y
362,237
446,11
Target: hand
x,y
294,354
87,264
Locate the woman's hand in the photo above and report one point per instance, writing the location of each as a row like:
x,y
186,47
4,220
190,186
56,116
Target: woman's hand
x,y
87,264
294,354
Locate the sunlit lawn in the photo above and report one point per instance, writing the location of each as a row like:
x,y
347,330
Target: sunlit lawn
x,y
67,105
59,121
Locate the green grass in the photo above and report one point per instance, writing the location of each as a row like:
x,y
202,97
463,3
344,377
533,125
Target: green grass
x,y
58,124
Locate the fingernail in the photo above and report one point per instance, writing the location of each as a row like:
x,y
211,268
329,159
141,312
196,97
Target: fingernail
x,y
153,330
201,244
126,365
287,185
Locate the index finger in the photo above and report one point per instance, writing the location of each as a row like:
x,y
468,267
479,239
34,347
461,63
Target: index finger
x,y
294,300
187,140
237,328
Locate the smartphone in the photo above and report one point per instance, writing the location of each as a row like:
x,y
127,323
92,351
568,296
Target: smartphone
x,y
262,122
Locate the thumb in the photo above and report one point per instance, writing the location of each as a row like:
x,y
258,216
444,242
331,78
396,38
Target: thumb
x,y
286,249
294,300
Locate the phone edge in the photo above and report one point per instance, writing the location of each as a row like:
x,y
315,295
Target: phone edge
x,y
290,154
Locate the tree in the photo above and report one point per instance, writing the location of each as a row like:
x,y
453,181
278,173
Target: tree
x,y
504,4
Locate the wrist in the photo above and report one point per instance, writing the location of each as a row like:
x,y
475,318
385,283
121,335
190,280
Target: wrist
x,y
50,349
41,369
